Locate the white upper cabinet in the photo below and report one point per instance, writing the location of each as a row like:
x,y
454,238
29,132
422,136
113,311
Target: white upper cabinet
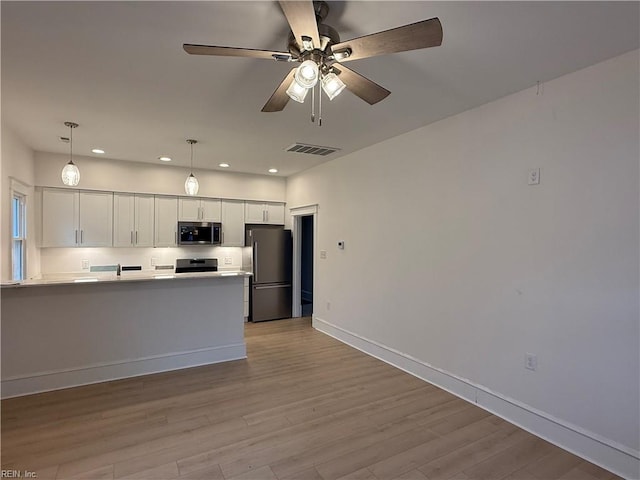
x,y
144,214
96,219
166,221
123,219
133,219
232,223
264,212
71,218
60,211
199,209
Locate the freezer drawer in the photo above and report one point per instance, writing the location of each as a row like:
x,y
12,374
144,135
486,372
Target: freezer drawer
x,y
270,301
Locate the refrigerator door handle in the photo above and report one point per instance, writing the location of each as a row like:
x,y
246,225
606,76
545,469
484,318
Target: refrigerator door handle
x,y
255,262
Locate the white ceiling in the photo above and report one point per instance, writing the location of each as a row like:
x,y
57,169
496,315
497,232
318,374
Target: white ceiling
x,y
118,69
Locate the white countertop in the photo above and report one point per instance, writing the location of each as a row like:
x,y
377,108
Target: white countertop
x,y
110,277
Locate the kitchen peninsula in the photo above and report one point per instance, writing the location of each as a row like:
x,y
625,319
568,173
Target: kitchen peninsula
x,y
63,332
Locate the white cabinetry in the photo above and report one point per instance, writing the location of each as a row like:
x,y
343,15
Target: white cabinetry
x,y
96,219
166,221
264,212
199,209
232,223
133,220
71,218
60,211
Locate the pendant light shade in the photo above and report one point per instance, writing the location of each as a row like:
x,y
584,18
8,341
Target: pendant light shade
x,y
191,184
70,172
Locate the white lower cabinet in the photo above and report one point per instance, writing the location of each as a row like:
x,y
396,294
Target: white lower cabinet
x,y
72,218
232,223
166,222
133,220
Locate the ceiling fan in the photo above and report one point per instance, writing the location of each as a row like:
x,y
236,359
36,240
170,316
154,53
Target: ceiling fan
x,y
321,54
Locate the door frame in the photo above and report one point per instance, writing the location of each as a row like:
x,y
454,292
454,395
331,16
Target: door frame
x,y
296,228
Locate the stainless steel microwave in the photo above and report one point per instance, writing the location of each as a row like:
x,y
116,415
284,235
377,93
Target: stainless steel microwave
x,y
199,233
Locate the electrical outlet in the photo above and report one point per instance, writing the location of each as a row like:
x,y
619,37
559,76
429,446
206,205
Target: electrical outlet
x,y
323,254
228,260
534,176
85,264
154,261
530,361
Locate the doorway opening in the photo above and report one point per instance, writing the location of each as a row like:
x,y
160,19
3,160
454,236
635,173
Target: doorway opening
x,y
304,222
306,265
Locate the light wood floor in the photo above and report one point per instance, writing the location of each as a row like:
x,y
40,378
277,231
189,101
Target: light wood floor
x,y
303,406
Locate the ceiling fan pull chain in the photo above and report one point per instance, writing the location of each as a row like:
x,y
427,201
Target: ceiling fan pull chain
x,y
313,104
319,106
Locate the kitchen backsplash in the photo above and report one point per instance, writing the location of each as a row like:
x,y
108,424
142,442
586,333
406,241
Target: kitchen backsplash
x,y
72,260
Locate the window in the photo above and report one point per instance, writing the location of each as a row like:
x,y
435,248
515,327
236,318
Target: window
x,y
18,236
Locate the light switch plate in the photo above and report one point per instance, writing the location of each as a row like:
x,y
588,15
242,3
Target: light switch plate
x,y
323,254
85,264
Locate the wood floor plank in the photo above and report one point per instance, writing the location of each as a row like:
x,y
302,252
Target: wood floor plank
x,y
302,406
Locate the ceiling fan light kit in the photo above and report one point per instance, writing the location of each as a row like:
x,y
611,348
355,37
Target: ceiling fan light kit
x,y
297,92
317,47
332,85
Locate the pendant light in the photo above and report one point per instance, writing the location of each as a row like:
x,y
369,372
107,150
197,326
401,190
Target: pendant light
x,y
70,172
191,183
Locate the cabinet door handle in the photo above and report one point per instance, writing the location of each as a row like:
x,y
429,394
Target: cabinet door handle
x,y
223,237
176,237
81,236
136,237
76,236
266,214
132,237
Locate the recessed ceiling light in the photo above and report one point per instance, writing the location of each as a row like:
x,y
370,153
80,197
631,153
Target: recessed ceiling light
x,y
97,150
164,159
273,170
224,165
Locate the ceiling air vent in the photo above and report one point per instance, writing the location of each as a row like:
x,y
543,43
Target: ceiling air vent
x,y
311,149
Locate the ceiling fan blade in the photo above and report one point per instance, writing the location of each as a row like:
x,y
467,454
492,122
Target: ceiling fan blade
x,y
302,20
279,99
361,86
235,52
424,34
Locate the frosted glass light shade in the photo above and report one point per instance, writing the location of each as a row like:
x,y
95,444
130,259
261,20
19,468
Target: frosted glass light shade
x,y
332,85
307,74
297,92
191,185
70,174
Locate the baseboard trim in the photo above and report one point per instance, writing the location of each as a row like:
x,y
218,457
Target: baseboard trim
x,y
73,377
606,453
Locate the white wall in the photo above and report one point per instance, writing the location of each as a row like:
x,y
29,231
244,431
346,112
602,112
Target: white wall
x,y
17,161
114,175
452,260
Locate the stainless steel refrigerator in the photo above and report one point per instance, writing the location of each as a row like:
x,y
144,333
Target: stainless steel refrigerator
x,y
270,286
